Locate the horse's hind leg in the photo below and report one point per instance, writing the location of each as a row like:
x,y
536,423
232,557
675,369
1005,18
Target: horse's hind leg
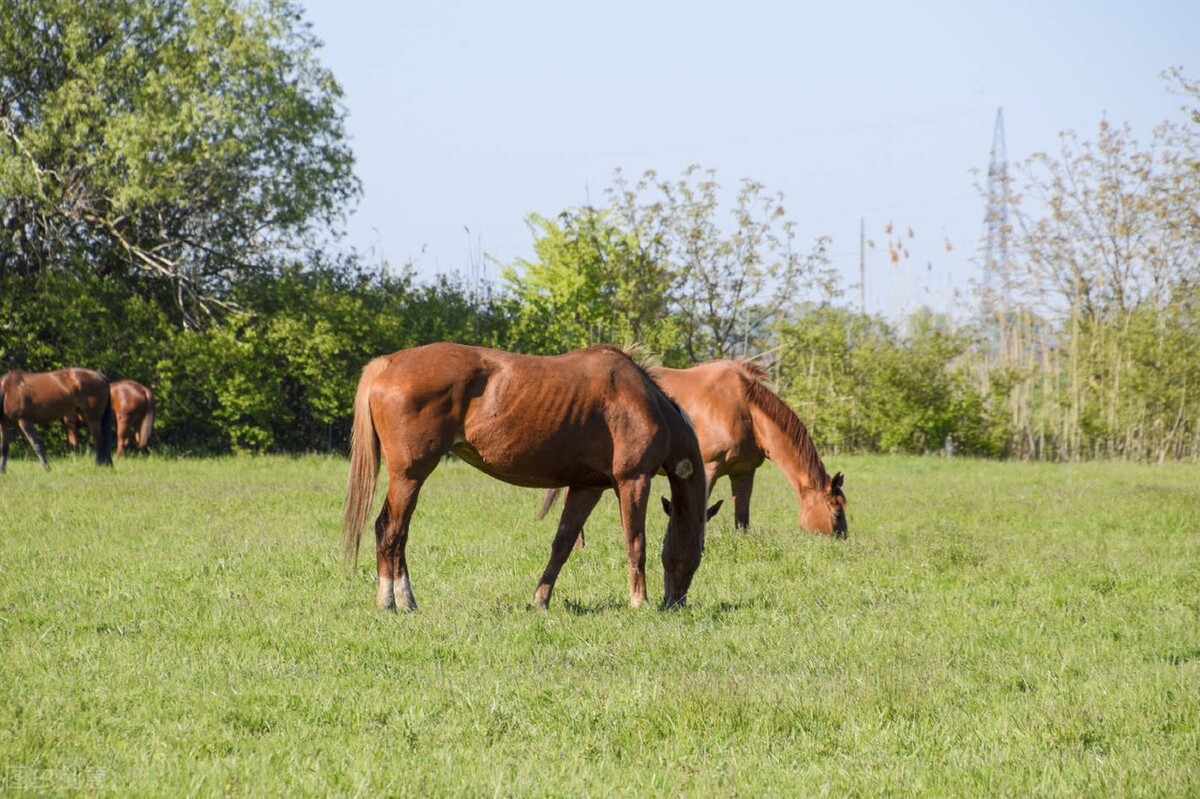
x,y
576,508
31,433
122,432
5,435
391,537
71,427
742,485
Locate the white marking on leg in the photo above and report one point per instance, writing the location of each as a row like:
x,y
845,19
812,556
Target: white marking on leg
x,y
404,594
384,594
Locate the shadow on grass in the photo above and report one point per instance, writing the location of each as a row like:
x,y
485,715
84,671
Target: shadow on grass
x,y
576,608
717,610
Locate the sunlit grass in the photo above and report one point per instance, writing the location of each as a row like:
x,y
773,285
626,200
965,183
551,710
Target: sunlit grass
x,y
172,627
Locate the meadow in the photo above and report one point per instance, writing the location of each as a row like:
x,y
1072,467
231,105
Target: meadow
x,y
176,627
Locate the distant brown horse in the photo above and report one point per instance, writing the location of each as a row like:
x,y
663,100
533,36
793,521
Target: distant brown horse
x,y
740,422
31,398
133,405
587,420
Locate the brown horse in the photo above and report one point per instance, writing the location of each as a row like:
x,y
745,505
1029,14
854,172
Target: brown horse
x,y
133,405
30,398
740,422
587,420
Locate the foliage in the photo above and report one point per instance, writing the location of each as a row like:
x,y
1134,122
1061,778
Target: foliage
x,y
187,626
658,266
730,283
593,282
1090,332
172,173
175,144
861,386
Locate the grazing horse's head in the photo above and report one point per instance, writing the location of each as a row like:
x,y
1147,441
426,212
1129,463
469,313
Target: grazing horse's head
x,y
684,542
823,509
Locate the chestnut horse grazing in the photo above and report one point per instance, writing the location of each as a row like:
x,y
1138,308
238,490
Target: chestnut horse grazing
x,y
587,420
30,398
740,422
133,406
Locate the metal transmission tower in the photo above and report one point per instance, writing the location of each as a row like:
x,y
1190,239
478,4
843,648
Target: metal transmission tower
x,y
996,255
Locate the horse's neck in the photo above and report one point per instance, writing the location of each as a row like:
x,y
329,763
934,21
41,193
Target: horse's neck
x,y
795,455
682,431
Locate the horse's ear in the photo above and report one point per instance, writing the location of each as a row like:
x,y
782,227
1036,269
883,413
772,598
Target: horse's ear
x,y
837,482
713,510
666,505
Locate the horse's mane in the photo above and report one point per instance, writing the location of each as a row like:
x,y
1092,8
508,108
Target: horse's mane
x,y
789,423
753,371
641,356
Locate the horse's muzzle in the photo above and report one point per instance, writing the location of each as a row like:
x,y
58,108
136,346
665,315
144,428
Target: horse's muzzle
x,y
673,604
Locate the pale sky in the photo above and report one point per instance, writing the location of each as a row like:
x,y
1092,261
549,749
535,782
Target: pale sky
x,y
471,115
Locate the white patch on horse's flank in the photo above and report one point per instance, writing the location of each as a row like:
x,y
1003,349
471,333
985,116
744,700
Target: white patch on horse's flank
x,y
684,468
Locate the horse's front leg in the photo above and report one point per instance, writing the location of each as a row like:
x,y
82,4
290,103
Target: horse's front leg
x,y
576,508
5,435
27,427
742,485
634,496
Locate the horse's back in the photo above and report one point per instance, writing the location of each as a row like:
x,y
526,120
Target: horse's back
x,y
532,420
49,396
714,395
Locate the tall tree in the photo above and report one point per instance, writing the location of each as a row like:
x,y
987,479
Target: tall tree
x,y
1105,263
732,278
592,281
176,145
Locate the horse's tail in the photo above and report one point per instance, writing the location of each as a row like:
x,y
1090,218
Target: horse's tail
x,y
147,422
548,502
364,462
108,433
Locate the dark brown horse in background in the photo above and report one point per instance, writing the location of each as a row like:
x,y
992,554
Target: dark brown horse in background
x,y
740,422
588,420
133,406
32,398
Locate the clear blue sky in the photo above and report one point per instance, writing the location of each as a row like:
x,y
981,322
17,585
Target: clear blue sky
x,y
471,115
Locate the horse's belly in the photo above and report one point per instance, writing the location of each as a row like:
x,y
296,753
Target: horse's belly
x,y
532,468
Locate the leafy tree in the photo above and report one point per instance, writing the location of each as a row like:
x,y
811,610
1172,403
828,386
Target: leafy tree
x,y
592,282
858,384
658,265
174,144
1105,258
730,283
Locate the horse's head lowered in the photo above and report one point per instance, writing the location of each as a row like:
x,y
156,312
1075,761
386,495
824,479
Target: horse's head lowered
x,y
684,543
823,509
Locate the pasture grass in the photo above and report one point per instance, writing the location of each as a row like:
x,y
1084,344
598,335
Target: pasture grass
x,y
177,627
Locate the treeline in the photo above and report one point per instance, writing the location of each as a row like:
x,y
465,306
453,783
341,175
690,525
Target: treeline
x,y
278,375
171,175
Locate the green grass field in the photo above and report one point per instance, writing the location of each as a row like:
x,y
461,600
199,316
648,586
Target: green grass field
x,y
187,627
